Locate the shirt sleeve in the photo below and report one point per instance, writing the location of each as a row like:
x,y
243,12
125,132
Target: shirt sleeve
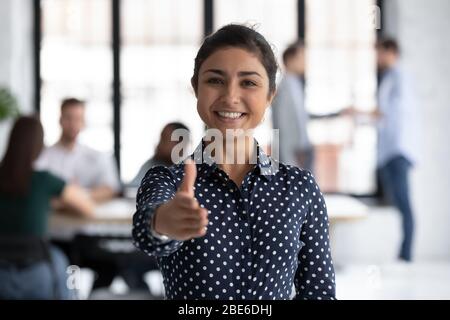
x,y
109,175
314,278
54,184
157,187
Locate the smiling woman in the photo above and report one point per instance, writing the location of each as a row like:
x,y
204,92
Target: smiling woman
x,y
233,90
223,229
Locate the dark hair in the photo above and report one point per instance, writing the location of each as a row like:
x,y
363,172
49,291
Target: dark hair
x,y
235,35
25,144
69,102
389,44
177,125
292,50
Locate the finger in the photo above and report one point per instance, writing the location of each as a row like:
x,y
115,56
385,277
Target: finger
x,y
190,233
203,213
187,202
190,173
193,224
198,214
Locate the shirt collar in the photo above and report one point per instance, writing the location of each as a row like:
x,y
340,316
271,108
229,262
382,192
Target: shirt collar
x,y
265,165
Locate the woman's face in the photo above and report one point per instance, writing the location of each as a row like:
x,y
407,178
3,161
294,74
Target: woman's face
x,y
232,90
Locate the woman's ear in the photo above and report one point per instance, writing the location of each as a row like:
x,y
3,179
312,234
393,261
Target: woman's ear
x,y
271,96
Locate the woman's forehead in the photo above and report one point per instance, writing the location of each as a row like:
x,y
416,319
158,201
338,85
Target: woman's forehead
x,y
232,59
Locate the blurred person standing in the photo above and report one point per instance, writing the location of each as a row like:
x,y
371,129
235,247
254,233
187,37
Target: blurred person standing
x,y
27,269
78,163
289,113
398,136
397,118
288,110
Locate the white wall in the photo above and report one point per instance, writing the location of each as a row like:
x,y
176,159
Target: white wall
x,y
16,56
422,29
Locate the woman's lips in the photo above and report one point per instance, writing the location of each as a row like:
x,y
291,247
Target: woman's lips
x,y
230,116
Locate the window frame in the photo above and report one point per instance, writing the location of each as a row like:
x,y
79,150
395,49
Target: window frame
x,y
208,25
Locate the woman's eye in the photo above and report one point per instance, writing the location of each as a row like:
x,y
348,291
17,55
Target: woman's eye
x,y
214,81
248,83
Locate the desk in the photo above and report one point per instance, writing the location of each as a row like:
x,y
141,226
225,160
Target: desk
x,y
103,243
113,218
110,228
345,208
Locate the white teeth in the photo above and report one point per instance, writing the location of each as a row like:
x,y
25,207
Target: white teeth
x,y
232,115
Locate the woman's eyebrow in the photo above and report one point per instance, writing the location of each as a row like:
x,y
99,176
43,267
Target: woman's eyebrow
x,y
248,73
218,71
240,73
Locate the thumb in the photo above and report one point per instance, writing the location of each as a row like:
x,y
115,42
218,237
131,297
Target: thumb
x,y
190,173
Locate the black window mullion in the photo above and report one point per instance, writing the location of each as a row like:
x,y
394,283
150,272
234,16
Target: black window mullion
x,y
116,80
208,17
301,19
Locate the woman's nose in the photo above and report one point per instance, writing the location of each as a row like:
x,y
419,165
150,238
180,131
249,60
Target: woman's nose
x,y
232,94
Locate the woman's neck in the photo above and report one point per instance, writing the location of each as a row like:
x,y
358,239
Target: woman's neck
x,y
237,157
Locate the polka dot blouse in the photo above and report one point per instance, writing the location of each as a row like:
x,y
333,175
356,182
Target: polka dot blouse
x,y
264,238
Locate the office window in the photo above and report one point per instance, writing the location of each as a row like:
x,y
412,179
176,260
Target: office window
x,y
76,60
276,20
159,42
341,72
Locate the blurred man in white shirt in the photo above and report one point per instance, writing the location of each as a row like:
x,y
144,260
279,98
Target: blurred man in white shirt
x,y
77,163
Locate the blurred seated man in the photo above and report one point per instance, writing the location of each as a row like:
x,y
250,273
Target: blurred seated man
x,y
78,163
163,152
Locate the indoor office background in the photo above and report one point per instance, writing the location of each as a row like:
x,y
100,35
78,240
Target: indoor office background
x,y
132,60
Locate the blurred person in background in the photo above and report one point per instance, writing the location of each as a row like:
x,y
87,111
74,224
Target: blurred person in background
x,y
77,163
27,270
398,128
163,152
289,113
288,110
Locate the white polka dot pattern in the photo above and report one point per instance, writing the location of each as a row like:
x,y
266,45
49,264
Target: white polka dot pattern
x,y
262,239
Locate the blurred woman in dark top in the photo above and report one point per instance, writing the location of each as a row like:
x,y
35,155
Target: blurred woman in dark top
x,y
25,196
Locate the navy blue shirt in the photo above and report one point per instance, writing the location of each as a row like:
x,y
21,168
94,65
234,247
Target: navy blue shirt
x,y
263,238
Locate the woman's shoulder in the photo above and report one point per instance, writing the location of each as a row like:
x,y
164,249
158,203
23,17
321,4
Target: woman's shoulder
x,y
174,169
44,175
297,174
292,170
45,180
159,172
